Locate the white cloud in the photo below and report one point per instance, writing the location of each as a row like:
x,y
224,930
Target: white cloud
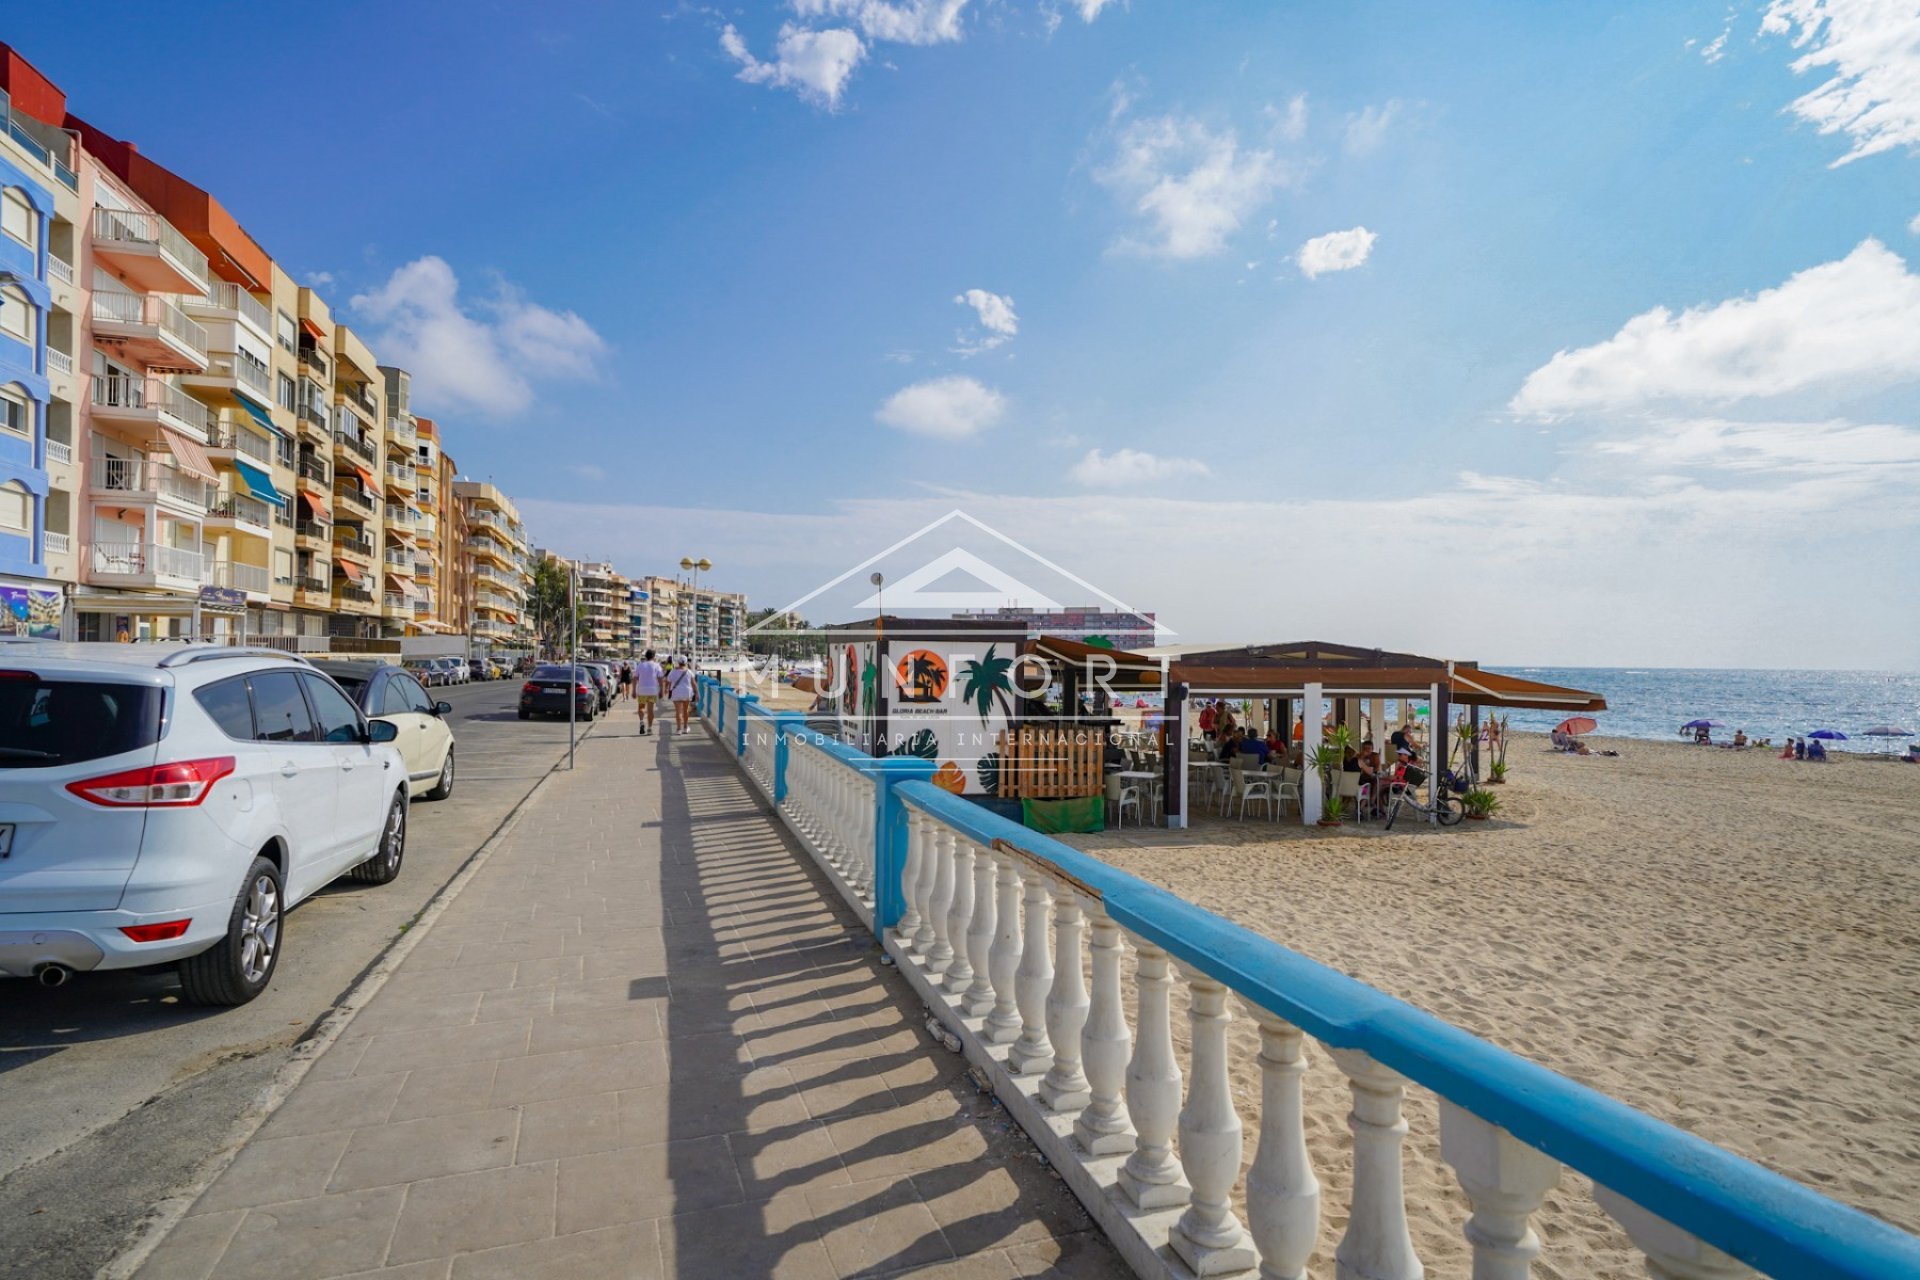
x,y
1336,251
1854,322
320,280
1717,49
1193,185
995,316
1871,50
1090,9
948,408
1367,130
1834,448
899,22
814,64
1914,226
1290,124
1131,467
482,358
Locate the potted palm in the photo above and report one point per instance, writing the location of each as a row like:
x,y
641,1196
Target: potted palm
x,y
1328,759
1480,804
1497,772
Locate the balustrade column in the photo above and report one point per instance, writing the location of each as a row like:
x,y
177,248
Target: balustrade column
x,y
910,882
1672,1253
978,997
1209,1236
1065,1086
929,873
959,975
940,954
1283,1196
1033,980
866,874
1377,1244
1152,1177
1003,959
1103,1127
1506,1181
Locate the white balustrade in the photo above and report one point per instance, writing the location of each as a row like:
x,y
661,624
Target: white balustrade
x,y
929,877
1033,980
1672,1254
1103,1127
1002,1024
1065,1086
1283,1196
1506,1181
1152,1177
959,974
909,921
940,905
1377,1244
977,998
1208,1236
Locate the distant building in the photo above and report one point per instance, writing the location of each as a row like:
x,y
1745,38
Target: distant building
x,y
1124,629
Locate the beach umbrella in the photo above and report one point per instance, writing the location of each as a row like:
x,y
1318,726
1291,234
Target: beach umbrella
x,y
1576,725
1702,724
1887,731
1830,735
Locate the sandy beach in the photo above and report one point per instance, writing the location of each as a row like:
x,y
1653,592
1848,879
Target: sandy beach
x,y
1725,940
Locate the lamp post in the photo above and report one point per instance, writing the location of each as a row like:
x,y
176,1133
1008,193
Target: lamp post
x,y
696,567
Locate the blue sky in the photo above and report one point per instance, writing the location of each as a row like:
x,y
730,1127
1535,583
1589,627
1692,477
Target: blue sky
x,y
1282,320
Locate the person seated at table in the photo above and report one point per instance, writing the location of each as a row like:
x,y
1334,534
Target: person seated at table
x,y
1350,761
1252,746
1115,759
1274,742
1369,762
1224,745
1399,740
1739,739
1816,750
1799,748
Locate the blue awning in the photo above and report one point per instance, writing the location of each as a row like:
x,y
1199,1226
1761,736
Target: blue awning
x,y
260,414
260,483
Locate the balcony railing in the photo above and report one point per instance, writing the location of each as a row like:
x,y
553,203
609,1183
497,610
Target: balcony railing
x,y
134,391
243,442
242,577
250,373
360,395
312,529
355,445
400,515
59,362
397,559
147,559
402,474
423,568
148,229
223,295
307,582
59,451
237,506
58,544
315,469
316,359
134,475
345,539
154,310
345,590
401,432
317,414
353,500
58,268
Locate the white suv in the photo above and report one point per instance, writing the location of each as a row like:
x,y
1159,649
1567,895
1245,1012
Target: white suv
x,y
168,805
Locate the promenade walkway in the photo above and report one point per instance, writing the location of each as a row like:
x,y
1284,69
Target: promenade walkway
x,y
644,1041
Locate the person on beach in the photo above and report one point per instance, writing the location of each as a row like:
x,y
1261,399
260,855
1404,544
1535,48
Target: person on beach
x,y
1799,748
680,691
1739,739
1786,751
648,676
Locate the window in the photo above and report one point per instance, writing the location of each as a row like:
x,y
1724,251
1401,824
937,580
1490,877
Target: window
x,y
44,723
339,718
393,697
282,566
16,509
279,711
17,316
13,414
227,702
417,699
288,333
284,392
283,449
19,219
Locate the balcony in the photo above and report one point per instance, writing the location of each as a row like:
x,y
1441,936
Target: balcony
x,y
146,564
237,511
400,474
146,402
346,542
59,269
316,360
250,578
346,592
359,395
235,371
489,548
148,251
59,362
402,433
425,525
491,629
352,443
400,516
353,499
133,480
227,301
424,570
396,606
315,530
226,441
57,544
150,330
309,590
59,451
397,559
315,470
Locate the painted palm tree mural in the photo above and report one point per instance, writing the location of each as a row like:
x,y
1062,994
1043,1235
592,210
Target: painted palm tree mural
x,y
922,677
989,685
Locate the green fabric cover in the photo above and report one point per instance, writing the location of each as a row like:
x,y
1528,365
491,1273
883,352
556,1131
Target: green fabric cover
x,y
1056,817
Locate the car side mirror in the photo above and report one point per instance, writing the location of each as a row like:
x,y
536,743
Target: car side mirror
x,y
443,708
382,731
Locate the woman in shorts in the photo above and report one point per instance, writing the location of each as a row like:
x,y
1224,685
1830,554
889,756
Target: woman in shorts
x,y
680,691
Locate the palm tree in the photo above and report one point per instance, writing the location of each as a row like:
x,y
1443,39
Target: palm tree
x,y
989,681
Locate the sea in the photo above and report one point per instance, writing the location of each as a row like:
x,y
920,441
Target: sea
x,y
1654,702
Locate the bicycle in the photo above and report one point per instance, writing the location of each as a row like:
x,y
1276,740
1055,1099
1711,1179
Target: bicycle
x,y
1446,805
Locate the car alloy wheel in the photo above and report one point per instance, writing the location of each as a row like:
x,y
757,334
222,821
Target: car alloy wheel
x,y
259,928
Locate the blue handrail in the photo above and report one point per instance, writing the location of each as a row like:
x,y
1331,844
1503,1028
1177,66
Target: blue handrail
x,y
1760,1217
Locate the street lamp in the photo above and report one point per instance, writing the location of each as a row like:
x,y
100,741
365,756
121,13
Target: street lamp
x,y
696,567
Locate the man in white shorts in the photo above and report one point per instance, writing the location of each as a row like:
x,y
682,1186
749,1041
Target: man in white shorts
x,y
647,679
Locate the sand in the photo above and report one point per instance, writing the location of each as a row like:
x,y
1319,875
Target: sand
x,y
1724,940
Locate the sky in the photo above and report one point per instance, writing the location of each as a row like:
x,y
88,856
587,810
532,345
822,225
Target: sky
x,y
1581,334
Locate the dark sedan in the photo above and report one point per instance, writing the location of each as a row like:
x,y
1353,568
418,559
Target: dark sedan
x,y
549,686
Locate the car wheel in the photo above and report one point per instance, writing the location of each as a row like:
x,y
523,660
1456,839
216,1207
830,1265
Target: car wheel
x,y
526,715
384,866
238,967
444,787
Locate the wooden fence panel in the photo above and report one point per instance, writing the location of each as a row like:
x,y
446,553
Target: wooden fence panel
x,y
1052,764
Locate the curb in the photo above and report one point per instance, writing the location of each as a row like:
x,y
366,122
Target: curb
x,y
167,1213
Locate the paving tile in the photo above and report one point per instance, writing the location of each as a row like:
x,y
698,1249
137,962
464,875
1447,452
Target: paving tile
x,y
627,1252
801,1155
584,1030
193,1247
877,1226
601,1069
515,1002
431,1269
310,1239
269,1170
474,1211
575,1126
401,1012
317,1106
984,1205
340,1058
1087,1256
530,973
635,1183
979,1266
458,980
431,1148
915,1137
439,1091
405,1050
739,1240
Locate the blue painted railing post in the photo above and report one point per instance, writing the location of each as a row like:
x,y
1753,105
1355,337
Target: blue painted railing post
x,y
740,724
890,836
784,723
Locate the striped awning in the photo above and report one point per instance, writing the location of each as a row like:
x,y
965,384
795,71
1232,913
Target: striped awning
x,y
188,454
349,568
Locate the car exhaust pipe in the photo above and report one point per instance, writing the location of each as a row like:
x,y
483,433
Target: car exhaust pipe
x,y
53,975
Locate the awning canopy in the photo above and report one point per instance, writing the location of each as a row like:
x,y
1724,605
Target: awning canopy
x,y
313,329
188,454
260,483
1131,672
317,507
1475,687
1283,670
366,478
349,568
260,414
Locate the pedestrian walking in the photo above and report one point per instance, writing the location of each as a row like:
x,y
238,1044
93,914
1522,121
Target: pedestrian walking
x,y
680,689
647,681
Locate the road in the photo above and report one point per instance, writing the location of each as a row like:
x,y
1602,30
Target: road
x,y
112,1093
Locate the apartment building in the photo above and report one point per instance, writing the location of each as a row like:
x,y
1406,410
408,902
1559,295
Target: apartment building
x,y
498,564
416,471
443,532
680,616
34,602
603,596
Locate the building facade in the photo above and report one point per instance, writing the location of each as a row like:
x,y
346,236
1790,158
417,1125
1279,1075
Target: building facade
x,y
33,598
498,565
681,617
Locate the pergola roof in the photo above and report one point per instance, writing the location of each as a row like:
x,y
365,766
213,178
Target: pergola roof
x,y
1132,672
1282,669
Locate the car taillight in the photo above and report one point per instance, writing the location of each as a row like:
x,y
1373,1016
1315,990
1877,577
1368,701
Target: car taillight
x,y
529,687
165,931
580,688
180,785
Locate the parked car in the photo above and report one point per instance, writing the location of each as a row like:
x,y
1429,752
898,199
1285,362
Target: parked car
x,y
383,691
426,670
167,805
481,669
455,669
602,681
548,688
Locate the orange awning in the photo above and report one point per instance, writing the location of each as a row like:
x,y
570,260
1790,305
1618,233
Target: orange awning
x,y
400,580
317,507
313,329
188,453
366,478
349,568
1474,687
